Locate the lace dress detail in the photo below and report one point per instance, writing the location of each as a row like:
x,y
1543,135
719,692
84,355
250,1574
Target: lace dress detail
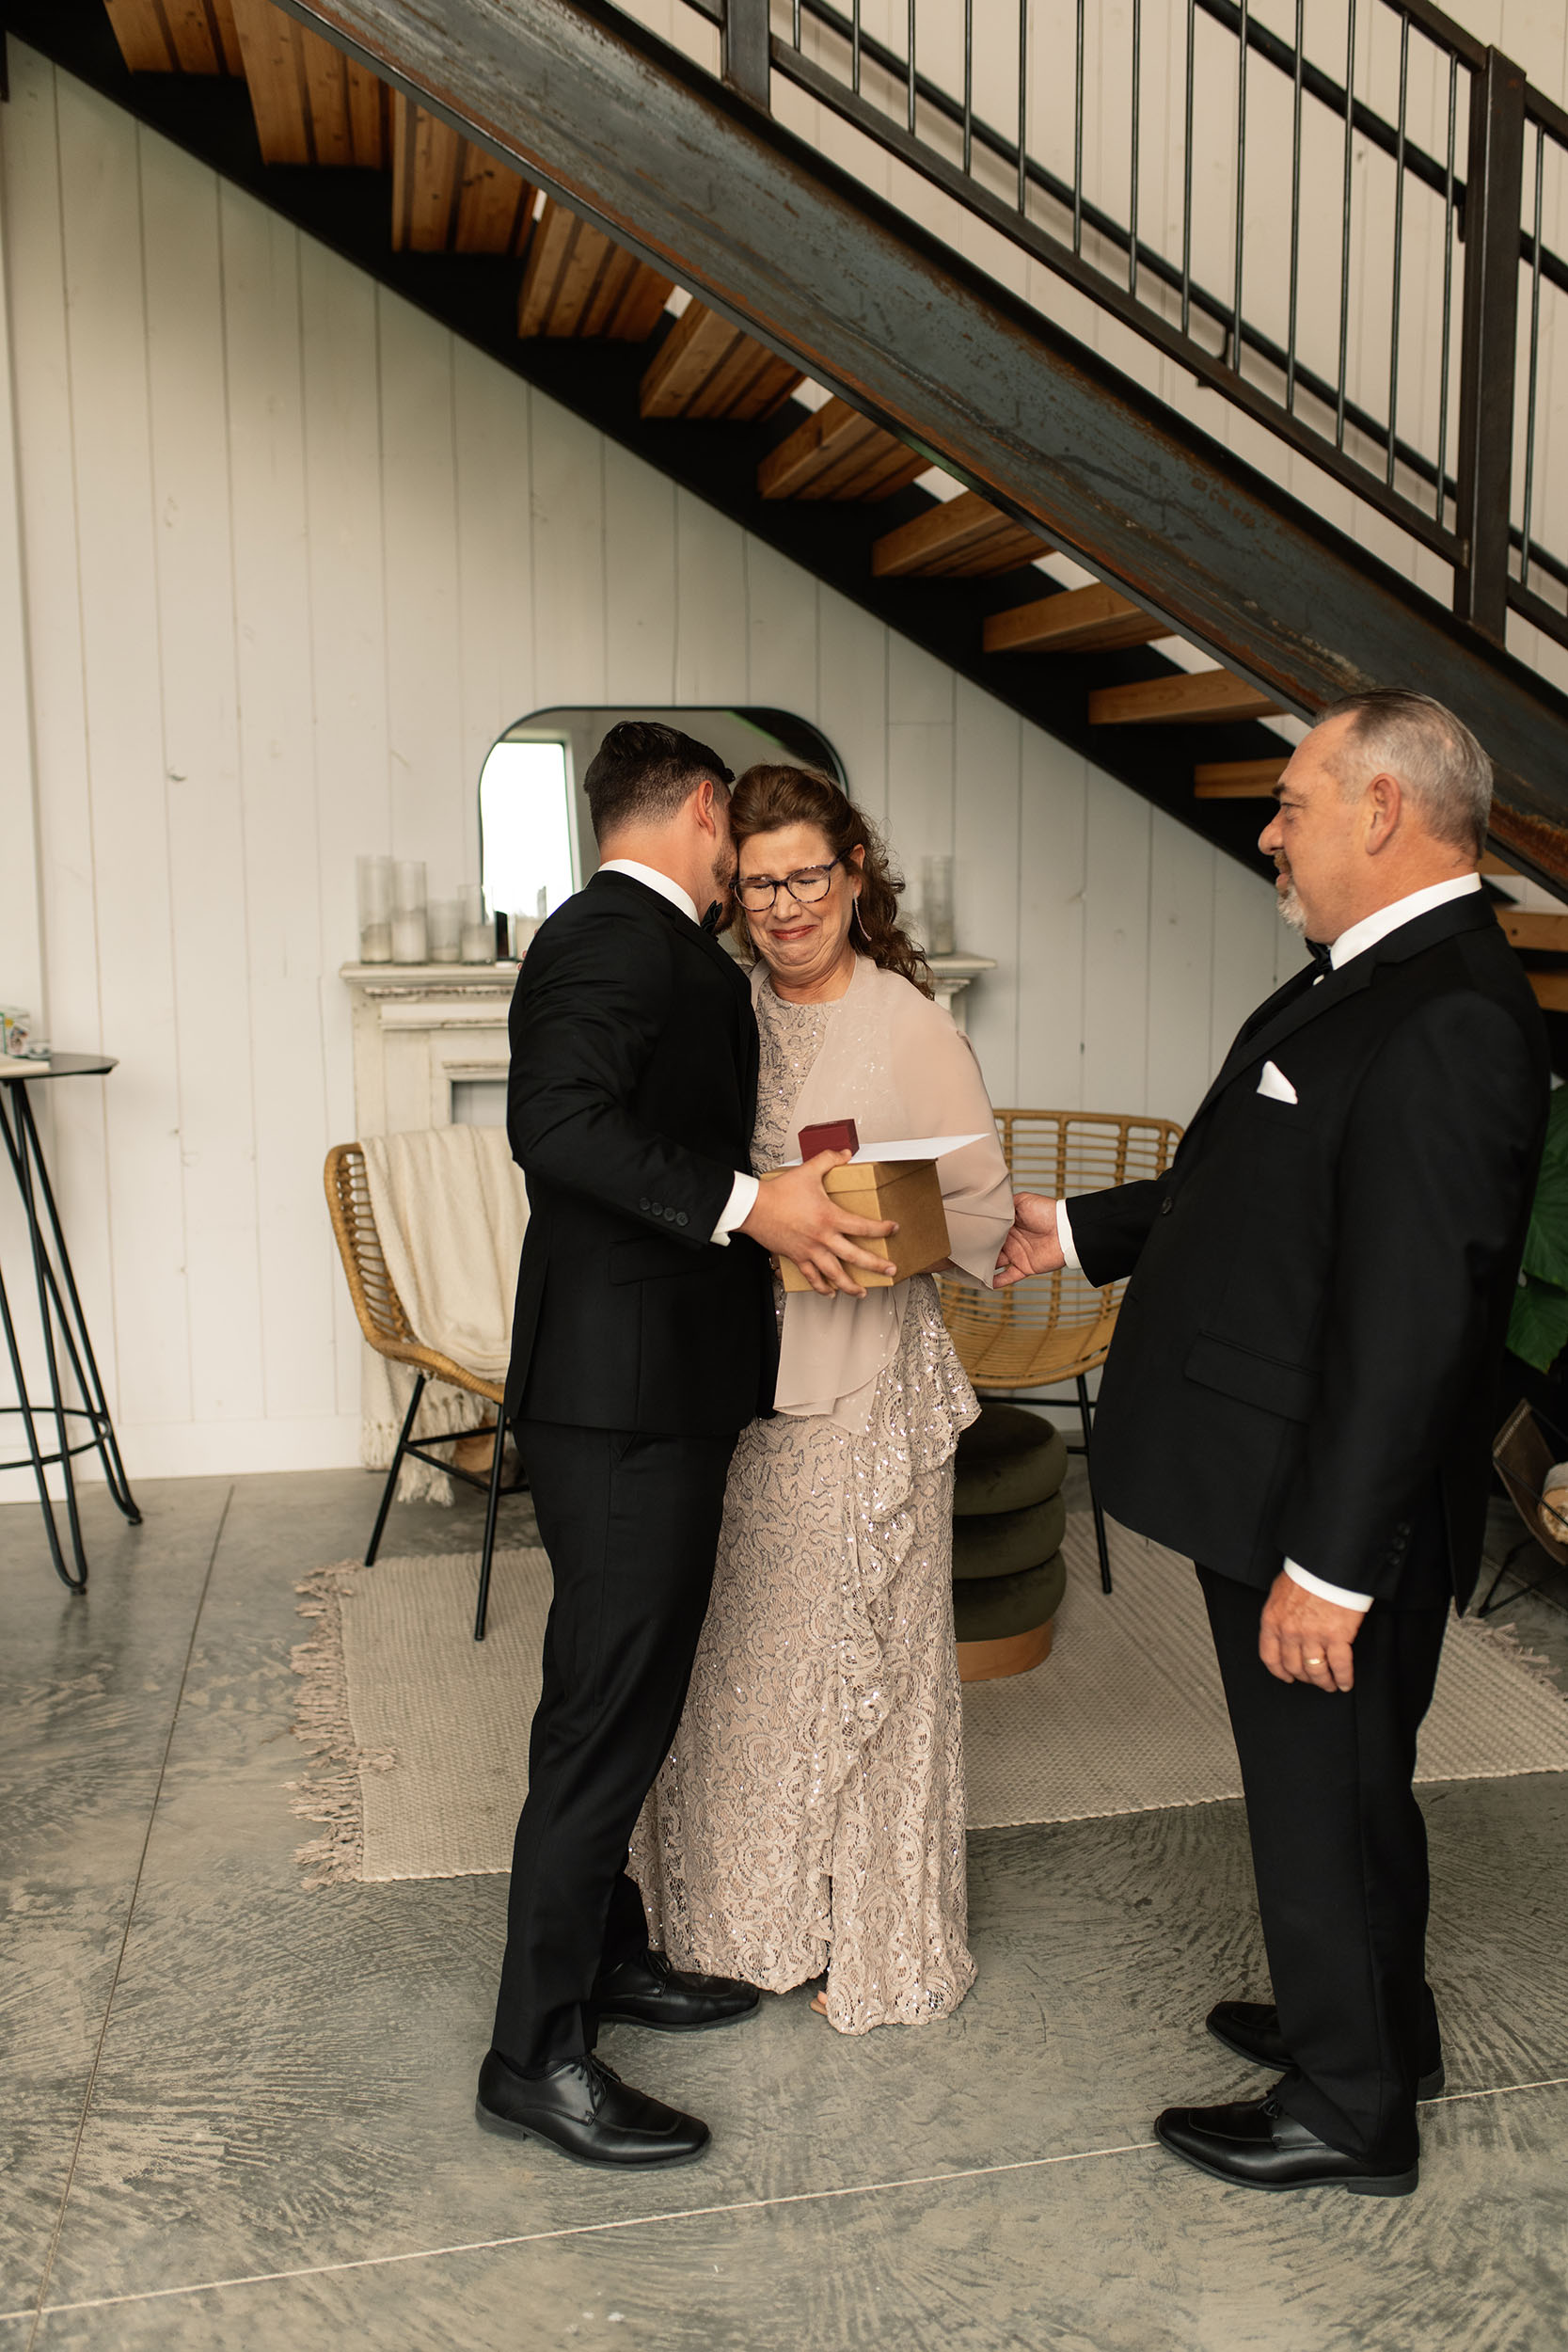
x,y
811,1812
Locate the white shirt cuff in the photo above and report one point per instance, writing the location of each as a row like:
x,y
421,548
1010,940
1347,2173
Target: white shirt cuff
x,y
1337,1593
1064,1234
737,1209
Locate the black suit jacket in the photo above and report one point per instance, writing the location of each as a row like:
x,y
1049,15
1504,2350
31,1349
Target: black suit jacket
x,y
629,1109
1310,1342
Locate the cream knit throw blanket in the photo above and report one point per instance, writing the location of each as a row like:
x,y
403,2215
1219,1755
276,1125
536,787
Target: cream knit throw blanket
x,y
449,1209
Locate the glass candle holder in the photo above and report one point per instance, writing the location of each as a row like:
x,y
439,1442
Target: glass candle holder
x,y
937,905
408,886
410,941
373,880
444,927
477,938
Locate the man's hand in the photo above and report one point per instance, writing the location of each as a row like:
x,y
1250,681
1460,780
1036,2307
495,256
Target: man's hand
x,y
1031,1246
1306,1639
793,1217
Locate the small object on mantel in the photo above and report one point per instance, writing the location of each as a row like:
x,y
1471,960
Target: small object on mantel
x,y
503,937
831,1135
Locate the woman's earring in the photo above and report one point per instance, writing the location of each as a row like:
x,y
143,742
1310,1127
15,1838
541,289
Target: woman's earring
x,y
855,923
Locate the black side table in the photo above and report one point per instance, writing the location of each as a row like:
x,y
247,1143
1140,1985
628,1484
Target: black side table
x,y
64,1325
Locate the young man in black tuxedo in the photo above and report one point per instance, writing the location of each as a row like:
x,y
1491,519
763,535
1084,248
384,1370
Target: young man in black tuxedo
x,y
643,1340
1301,1398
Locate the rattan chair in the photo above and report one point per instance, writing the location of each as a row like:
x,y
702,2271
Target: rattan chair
x,y
387,1327
1055,1327
1524,1450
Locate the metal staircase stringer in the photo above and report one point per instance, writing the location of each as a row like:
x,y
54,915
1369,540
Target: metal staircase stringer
x,y
705,186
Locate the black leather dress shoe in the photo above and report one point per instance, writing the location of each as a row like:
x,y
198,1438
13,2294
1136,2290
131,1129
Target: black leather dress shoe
x,y
648,1992
1255,2144
1251,2028
588,2112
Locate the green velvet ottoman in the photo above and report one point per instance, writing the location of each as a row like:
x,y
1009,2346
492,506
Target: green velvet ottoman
x,y
1009,1519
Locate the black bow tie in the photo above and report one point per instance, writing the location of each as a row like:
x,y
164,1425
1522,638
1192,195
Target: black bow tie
x,y
710,920
1323,956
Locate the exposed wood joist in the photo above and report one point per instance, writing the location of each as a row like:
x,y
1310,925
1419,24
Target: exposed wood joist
x,y
838,454
1180,700
1539,934
1238,779
964,538
312,104
1075,620
577,283
1551,990
176,36
706,370
448,195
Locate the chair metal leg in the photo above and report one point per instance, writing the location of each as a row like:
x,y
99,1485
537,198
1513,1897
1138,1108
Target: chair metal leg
x,y
391,1484
491,1508
1085,1410
1484,1608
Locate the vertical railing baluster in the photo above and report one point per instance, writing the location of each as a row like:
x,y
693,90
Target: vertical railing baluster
x,y
1187,173
1241,186
1492,190
795,25
1133,192
1024,106
1295,215
969,85
911,10
1399,252
855,46
1344,232
1534,355
1442,507
1078,138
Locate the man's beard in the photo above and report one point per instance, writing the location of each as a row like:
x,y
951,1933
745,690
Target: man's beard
x,y
1292,913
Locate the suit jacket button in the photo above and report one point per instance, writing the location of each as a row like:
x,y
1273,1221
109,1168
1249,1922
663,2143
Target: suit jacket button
x,y
680,1217
643,1206
658,1207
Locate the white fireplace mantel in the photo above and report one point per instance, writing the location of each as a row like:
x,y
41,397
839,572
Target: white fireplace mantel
x,y
421,1029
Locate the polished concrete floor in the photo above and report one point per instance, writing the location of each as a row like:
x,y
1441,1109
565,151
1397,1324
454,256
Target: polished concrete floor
x,y
239,2114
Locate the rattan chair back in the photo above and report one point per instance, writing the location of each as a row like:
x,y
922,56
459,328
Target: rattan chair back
x,y
1523,1456
1055,1326
381,1312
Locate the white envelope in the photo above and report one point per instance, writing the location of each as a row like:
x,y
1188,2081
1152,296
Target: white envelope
x,y
1274,1083
909,1148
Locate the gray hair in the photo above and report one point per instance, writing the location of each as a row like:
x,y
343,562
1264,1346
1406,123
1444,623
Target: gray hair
x,y
1433,756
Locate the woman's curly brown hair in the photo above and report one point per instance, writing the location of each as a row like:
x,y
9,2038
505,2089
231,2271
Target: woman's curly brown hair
x,y
766,798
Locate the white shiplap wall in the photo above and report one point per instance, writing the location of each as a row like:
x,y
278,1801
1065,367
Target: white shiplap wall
x,y
293,557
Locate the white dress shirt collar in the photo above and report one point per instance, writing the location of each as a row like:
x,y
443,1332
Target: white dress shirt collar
x,y
1372,928
653,880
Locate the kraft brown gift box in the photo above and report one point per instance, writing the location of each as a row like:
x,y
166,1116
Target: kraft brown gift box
x,y
905,1190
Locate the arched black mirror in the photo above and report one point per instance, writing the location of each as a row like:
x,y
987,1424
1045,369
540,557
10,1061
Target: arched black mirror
x,y
536,843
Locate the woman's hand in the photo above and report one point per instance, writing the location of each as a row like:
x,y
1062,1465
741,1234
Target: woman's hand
x,y
793,1218
1031,1245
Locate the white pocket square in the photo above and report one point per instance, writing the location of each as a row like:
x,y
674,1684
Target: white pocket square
x,y
1274,1083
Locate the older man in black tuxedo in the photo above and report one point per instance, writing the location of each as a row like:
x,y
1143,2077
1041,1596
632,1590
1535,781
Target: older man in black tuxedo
x,y
643,1340
1301,1394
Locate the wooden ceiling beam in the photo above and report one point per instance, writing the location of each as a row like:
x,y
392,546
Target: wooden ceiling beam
x,y
1185,698
1076,620
1238,779
838,454
313,105
705,369
176,36
963,538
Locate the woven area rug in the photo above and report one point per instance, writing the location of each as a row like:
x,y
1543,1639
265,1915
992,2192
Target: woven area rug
x,y
422,1733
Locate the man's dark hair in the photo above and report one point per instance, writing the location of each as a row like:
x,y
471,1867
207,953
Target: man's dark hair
x,y
642,771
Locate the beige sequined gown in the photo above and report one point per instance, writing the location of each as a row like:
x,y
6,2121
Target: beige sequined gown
x,y
811,1813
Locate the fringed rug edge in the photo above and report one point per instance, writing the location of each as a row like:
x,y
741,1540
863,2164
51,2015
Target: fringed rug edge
x,y
330,1788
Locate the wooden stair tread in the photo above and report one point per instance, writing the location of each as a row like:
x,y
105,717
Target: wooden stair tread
x,y
1076,620
1184,699
1238,779
577,282
448,195
705,369
963,538
1550,990
838,454
176,36
1541,933
313,105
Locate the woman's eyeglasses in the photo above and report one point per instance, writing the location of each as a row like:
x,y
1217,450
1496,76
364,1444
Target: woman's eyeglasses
x,y
812,882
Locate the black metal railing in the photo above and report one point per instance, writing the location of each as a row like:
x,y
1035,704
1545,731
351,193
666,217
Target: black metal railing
x,y
1353,229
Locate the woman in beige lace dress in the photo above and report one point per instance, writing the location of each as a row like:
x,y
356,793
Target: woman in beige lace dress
x,y
811,1814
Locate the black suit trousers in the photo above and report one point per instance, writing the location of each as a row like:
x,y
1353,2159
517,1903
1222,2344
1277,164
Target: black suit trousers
x,y
631,1526
1340,1854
